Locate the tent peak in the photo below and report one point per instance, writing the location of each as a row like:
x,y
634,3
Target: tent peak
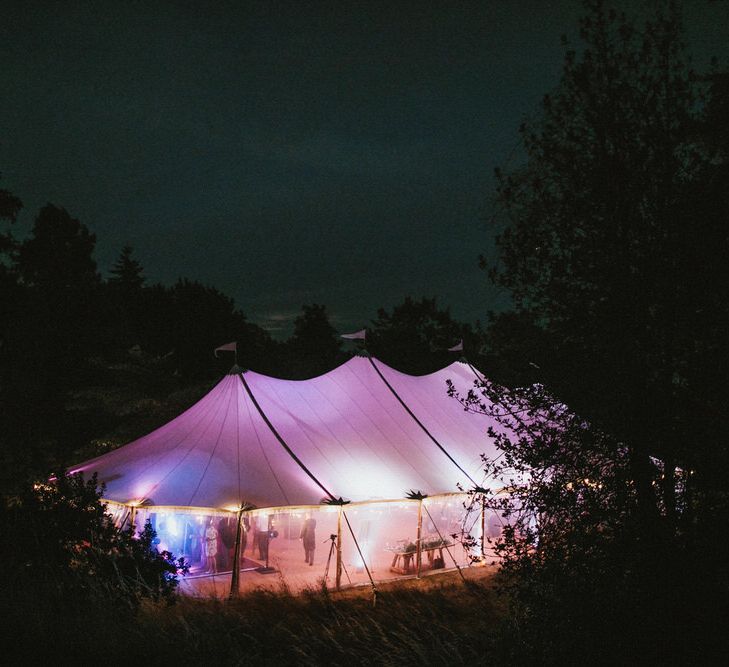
x,y
236,370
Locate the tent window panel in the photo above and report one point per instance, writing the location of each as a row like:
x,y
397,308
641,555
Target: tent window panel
x,y
295,543
205,541
381,530
447,519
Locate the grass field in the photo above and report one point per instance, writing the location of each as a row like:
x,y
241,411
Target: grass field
x,y
437,620
433,621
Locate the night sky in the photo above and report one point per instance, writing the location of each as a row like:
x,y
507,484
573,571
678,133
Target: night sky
x,y
285,153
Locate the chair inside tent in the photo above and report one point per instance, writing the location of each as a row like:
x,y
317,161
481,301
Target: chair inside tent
x,y
310,479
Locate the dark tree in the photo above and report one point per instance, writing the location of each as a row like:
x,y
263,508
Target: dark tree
x,y
615,244
191,320
127,272
314,347
69,572
582,577
10,206
55,327
124,305
614,250
416,335
12,306
59,252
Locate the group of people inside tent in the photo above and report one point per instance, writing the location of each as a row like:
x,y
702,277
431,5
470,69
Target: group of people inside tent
x,y
386,533
208,542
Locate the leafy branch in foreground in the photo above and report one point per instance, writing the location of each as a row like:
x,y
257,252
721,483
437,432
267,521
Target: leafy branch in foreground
x,y
65,543
577,563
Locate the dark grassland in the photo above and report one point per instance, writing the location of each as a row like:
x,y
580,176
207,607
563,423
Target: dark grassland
x,y
436,621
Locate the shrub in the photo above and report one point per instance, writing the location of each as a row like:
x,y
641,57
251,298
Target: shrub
x,y
66,568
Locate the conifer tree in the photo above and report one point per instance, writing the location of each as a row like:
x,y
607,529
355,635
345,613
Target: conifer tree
x,y
127,272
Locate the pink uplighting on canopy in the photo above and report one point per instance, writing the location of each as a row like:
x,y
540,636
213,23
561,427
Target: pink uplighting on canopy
x,y
346,427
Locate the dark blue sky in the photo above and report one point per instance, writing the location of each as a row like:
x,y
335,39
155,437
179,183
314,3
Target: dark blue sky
x,y
285,153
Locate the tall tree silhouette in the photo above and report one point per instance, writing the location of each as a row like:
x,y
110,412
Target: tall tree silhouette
x,y
59,252
613,240
125,305
12,304
127,271
415,336
614,250
314,347
47,340
10,206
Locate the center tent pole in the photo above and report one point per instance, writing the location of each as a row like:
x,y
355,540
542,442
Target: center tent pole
x,y
339,549
420,497
235,575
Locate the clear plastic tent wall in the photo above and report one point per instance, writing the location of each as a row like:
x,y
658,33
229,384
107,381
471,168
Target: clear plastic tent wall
x,y
363,432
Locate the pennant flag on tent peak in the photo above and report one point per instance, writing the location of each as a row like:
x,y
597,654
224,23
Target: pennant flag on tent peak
x,y
228,347
458,347
357,335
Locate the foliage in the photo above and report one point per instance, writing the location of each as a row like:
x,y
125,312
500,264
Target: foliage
x,y
416,335
581,574
51,298
614,251
63,538
314,347
615,243
10,206
127,272
69,573
58,253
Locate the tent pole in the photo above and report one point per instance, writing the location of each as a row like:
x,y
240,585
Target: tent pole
x,y
235,574
132,517
483,527
419,541
339,549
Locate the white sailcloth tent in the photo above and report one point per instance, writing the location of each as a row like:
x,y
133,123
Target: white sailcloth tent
x,y
364,433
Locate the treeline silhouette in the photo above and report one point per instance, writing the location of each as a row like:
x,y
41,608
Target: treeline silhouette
x,y
89,363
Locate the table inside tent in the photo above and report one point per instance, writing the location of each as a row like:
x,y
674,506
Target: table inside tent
x,y
403,556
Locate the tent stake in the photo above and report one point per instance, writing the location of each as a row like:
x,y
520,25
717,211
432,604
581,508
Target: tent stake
x,y
235,574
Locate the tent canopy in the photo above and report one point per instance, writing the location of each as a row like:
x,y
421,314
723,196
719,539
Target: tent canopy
x,y
346,428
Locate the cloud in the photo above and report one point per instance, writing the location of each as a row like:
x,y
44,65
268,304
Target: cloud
x,y
276,322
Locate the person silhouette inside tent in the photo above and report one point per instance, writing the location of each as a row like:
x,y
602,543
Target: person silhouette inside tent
x,y
227,535
263,537
308,538
211,547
